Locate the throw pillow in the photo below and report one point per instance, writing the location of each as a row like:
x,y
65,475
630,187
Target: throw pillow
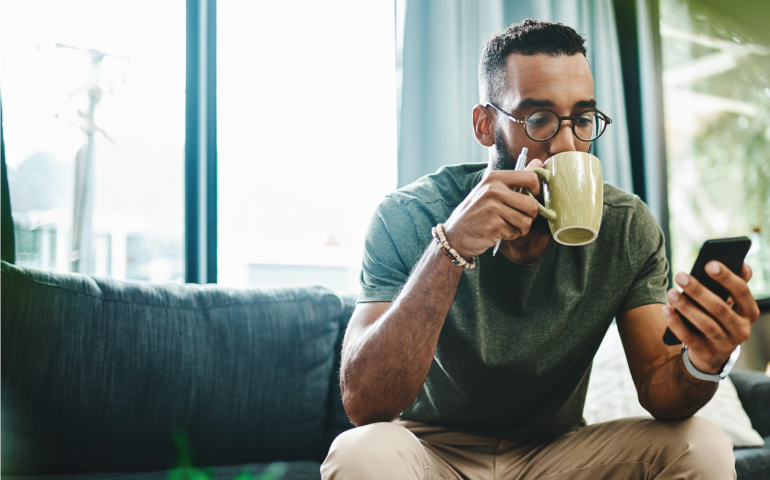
x,y
612,395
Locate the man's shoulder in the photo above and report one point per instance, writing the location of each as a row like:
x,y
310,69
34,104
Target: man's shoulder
x,y
621,206
628,221
614,197
448,186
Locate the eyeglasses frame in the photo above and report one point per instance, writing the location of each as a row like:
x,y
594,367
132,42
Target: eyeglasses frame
x,y
523,121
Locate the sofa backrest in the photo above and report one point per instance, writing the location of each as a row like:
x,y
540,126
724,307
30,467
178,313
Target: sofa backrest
x,y
98,374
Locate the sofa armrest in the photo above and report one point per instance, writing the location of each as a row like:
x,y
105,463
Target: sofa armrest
x,y
754,391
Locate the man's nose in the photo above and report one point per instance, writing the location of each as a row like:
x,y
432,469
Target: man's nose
x,y
564,140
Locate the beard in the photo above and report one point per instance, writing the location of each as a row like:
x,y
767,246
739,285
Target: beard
x,y
503,160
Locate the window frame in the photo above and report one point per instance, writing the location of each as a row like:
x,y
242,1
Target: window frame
x,y
200,238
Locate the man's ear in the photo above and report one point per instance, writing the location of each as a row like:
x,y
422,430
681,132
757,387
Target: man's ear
x,y
484,125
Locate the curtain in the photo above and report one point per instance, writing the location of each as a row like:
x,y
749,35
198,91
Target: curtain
x,y
7,242
442,45
443,41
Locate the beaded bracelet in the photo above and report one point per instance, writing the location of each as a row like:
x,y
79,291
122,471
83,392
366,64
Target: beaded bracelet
x,y
441,242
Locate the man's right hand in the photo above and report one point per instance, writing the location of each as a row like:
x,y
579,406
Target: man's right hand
x,y
494,211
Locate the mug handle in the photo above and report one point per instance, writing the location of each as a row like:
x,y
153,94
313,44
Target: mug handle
x,y
545,175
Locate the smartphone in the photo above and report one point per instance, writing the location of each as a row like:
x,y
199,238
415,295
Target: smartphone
x,y
731,252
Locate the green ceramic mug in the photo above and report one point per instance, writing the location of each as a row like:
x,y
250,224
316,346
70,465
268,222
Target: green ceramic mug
x,y
573,194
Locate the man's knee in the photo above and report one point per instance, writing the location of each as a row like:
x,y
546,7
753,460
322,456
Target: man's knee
x,y
705,438
378,450
699,448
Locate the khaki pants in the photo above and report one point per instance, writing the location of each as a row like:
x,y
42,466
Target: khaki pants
x,y
631,448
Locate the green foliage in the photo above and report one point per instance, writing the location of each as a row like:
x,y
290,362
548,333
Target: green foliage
x,y
186,471
723,151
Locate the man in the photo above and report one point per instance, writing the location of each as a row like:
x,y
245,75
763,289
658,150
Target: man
x,y
481,373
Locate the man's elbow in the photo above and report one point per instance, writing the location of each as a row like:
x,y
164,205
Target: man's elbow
x,y
662,415
363,413
665,412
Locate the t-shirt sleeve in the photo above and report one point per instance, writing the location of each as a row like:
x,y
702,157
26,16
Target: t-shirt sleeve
x,y
647,251
386,263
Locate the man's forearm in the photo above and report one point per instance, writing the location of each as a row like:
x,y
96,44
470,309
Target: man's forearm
x,y
669,391
383,370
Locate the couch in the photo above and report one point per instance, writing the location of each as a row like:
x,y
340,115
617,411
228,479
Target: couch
x,y
118,379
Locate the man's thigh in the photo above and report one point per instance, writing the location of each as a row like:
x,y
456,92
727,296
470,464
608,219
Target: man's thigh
x,y
632,448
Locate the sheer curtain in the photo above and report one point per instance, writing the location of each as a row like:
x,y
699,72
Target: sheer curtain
x,y
442,45
443,41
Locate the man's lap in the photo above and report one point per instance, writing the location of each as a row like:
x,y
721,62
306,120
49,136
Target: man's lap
x,y
627,448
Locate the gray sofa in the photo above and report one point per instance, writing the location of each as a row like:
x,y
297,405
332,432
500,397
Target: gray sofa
x,y
109,379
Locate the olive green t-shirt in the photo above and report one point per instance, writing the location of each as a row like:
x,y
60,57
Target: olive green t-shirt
x,y
514,355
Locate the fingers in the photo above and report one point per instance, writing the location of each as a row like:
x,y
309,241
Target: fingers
x,y
513,180
746,272
745,305
707,311
515,209
519,217
677,326
534,163
713,332
703,353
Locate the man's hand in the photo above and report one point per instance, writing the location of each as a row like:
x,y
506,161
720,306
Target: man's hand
x,y
724,325
494,211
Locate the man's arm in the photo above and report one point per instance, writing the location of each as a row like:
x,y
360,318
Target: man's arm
x,y
665,387
388,348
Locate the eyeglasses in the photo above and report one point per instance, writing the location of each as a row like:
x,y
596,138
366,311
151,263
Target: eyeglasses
x,y
542,125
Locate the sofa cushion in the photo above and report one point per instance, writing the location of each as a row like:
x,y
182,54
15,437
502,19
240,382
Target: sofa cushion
x,y
754,392
753,463
98,374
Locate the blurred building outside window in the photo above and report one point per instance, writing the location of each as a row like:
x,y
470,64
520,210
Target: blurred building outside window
x,y
93,112
717,118
306,111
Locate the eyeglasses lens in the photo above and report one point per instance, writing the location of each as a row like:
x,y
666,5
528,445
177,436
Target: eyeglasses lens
x,y
542,125
589,125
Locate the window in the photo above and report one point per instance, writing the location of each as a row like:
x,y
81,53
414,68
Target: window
x,y
306,137
716,82
94,119
93,112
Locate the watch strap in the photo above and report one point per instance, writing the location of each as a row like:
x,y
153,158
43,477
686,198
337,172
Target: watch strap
x,y
711,377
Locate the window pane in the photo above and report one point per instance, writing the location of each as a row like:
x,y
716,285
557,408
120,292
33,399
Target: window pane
x,y
717,102
306,137
120,213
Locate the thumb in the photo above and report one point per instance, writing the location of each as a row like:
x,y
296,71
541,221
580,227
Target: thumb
x,y
534,163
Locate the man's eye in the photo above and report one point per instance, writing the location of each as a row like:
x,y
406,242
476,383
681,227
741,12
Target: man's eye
x,y
584,121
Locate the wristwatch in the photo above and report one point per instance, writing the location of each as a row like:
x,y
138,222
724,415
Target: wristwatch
x,y
711,377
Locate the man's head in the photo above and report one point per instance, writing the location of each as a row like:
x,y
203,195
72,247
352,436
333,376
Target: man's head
x,y
531,65
530,37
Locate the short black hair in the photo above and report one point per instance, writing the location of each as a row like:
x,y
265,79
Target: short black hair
x,y
530,37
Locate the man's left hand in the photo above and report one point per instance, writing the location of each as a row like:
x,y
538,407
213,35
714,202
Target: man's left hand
x,y
724,324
